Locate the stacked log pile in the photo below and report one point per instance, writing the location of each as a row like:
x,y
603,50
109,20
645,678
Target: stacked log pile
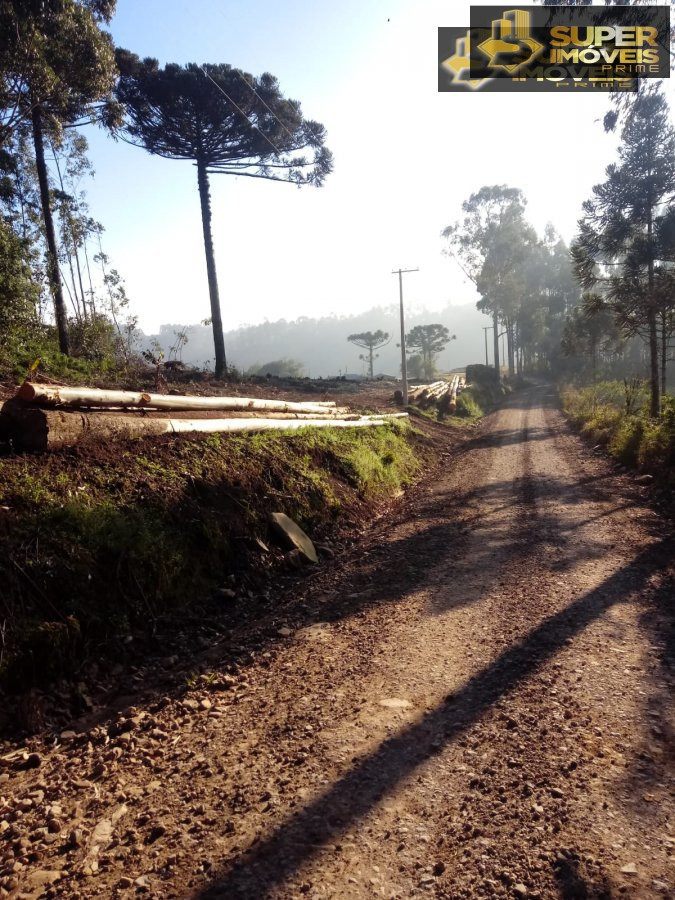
x,y
46,417
441,394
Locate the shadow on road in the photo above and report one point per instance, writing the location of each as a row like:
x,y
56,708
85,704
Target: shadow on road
x,y
271,861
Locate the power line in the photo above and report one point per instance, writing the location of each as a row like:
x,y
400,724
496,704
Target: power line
x,y
227,97
268,108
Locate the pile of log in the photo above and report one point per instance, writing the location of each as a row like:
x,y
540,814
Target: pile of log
x,y
47,417
441,394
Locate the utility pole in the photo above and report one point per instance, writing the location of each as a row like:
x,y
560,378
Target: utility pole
x,y
486,328
404,362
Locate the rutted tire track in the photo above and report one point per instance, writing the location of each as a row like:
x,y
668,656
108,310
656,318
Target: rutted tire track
x,y
488,718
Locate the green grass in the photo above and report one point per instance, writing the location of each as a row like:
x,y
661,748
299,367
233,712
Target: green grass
x,y
467,406
100,541
615,415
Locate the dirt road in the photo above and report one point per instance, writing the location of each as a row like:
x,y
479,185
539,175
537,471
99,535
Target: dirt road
x,y
474,702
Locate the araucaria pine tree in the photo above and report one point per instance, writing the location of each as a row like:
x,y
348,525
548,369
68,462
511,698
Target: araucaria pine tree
x,y
370,341
226,122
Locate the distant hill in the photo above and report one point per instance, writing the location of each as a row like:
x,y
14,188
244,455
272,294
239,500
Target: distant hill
x,y
321,344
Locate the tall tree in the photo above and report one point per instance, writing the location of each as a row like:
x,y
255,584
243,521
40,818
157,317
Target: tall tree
x,y
370,341
429,340
491,242
227,122
618,252
57,67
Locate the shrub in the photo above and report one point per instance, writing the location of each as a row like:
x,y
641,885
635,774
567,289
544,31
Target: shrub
x,y
616,414
467,406
625,440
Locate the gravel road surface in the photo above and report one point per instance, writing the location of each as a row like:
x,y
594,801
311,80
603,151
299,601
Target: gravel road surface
x,y
476,701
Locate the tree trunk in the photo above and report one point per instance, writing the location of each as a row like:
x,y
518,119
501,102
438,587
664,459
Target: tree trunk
x,y
510,343
654,405
77,397
370,362
92,301
495,321
52,255
216,320
39,429
68,226
664,350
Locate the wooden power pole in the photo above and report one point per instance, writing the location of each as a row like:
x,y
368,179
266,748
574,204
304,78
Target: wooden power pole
x,y
404,362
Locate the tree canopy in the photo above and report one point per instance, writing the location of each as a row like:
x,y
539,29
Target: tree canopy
x,y
492,242
55,55
429,340
370,341
229,120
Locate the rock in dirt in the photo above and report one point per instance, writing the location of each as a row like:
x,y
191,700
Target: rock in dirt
x,y
395,703
41,878
294,536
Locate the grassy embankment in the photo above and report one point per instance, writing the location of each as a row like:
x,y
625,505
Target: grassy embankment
x,y
615,415
100,541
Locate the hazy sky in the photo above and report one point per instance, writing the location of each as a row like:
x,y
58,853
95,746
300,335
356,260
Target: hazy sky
x,y
405,159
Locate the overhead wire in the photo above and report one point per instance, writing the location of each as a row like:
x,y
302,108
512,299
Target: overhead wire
x,y
240,110
264,103
267,107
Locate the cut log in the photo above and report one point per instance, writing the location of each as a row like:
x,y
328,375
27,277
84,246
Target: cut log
x,y
432,394
75,398
32,429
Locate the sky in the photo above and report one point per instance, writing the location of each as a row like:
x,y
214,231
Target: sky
x,y
406,157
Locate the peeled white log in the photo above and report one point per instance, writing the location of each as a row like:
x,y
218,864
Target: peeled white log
x,y
236,425
74,397
38,429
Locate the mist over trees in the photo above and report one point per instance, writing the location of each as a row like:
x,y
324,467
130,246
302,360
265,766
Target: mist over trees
x,y
526,283
321,344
